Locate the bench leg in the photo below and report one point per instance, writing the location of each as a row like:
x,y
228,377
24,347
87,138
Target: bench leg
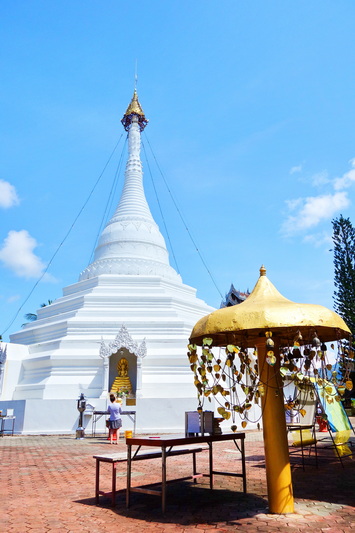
x,y
113,484
97,482
315,446
211,464
129,469
194,469
163,480
244,471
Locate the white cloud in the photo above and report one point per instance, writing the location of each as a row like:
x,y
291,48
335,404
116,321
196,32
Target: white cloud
x,y
13,298
293,204
295,169
321,178
319,239
346,179
17,254
8,195
313,210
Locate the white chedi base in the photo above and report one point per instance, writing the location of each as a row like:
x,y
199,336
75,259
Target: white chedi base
x,y
54,359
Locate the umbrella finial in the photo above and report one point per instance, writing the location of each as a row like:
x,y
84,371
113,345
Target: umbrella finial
x,y
262,271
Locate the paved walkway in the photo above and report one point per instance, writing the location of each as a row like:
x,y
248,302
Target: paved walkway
x,y
47,485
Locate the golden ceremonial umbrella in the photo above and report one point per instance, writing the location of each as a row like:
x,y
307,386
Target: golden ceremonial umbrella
x,y
245,324
267,310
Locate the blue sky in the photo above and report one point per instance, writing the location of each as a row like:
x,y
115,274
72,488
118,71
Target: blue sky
x,y
251,109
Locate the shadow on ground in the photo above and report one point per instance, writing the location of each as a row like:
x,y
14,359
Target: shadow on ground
x,y
188,504
330,482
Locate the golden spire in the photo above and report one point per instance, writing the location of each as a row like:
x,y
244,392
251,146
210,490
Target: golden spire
x,y
134,108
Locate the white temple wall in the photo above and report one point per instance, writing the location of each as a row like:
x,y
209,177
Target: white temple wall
x,y
12,368
60,377
68,372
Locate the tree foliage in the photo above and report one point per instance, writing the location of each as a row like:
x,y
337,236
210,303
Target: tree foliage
x,y
31,317
344,270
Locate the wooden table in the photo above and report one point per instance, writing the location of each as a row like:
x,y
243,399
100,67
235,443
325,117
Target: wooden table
x,y
96,415
167,445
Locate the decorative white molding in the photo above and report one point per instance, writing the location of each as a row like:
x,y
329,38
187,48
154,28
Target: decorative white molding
x,y
135,267
104,350
123,340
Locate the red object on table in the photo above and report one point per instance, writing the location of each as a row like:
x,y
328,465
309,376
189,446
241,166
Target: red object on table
x,y
322,424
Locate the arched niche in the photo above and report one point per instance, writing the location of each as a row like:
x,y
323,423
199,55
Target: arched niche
x,y
132,368
122,346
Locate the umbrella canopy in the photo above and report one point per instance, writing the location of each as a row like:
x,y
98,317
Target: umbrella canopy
x,y
267,310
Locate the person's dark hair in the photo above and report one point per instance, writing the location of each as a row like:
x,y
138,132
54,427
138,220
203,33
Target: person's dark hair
x,y
112,397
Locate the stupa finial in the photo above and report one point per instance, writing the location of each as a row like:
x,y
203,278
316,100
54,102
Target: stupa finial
x,y
134,109
262,271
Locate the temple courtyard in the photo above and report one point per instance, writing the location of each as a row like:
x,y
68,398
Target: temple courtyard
x,y
47,485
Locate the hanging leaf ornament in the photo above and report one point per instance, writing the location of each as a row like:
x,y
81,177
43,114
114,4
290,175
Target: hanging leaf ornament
x,y
341,389
193,358
261,389
349,384
270,359
283,371
192,347
232,349
298,338
222,377
315,341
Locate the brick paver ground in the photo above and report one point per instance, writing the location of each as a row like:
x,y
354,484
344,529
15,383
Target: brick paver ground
x,y
47,485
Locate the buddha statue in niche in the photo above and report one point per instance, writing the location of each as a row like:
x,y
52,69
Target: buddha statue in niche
x,y
122,383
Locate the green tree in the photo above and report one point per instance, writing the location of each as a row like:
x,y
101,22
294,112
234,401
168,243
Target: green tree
x,y
344,270
31,317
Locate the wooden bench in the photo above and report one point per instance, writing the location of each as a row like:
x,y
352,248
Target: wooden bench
x,y
114,458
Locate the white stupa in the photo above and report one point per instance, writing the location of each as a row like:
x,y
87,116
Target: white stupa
x,y
130,304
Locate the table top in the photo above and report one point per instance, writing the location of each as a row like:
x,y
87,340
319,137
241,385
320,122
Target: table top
x,y
106,412
297,425
176,440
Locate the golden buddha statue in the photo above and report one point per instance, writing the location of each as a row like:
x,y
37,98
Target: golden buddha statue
x,y
122,382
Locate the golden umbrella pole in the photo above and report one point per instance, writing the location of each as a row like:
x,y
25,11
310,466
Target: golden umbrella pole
x,y
278,469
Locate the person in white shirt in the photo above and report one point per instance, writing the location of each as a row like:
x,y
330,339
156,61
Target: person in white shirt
x,y
114,410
